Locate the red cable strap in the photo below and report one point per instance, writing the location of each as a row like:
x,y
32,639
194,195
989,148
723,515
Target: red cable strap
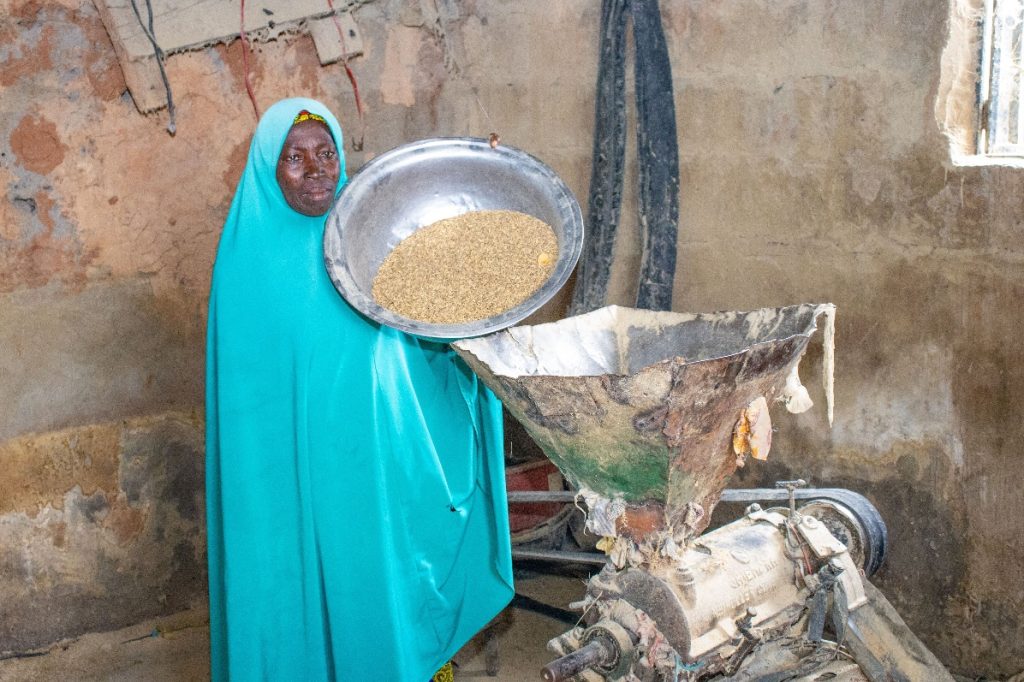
x,y
245,64
356,145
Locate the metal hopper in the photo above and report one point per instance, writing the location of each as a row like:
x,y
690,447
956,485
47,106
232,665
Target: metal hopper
x,y
649,413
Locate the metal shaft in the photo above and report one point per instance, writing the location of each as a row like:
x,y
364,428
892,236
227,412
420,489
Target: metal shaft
x,y
567,667
595,558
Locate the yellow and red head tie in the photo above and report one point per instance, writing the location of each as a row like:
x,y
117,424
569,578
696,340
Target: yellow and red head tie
x,y
308,116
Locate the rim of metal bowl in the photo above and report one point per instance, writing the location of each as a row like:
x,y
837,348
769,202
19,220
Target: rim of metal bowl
x,y
568,252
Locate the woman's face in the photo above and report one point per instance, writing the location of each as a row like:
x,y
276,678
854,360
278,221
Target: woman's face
x,y
308,168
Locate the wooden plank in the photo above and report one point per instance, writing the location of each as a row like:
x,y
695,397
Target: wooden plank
x,y
141,73
329,45
182,25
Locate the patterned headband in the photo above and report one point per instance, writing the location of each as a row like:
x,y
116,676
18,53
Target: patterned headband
x,y
308,116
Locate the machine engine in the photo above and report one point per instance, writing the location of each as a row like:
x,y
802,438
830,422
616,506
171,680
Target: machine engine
x,y
768,575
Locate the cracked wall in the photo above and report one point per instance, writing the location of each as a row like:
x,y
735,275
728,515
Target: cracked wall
x,y
812,170
108,229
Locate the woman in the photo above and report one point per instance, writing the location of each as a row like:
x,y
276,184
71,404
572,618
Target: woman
x,y
355,482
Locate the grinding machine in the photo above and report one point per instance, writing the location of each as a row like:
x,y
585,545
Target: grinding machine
x,y
647,415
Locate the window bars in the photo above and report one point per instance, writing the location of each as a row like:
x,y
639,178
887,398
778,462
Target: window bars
x,y
1001,129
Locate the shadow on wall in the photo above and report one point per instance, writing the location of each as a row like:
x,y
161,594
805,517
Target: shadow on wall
x,y
126,542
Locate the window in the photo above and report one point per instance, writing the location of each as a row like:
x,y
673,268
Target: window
x,y
980,105
1001,130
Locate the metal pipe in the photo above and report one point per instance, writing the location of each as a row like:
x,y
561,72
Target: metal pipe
x,y
728,495
542,495
567,667
555,555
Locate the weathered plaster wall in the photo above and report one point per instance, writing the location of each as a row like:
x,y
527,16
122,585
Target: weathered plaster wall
x,y
812,169
108,229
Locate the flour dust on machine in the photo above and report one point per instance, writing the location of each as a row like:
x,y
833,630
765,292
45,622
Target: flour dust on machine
x,y
647,415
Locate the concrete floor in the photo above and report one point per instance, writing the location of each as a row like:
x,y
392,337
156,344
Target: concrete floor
x,y
179,651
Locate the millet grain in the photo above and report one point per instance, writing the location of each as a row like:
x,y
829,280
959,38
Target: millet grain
x,y
467,268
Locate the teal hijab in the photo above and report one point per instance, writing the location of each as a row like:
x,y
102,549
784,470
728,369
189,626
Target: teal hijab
x,y
356,511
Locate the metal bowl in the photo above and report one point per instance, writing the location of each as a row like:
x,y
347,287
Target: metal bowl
x,y
414,185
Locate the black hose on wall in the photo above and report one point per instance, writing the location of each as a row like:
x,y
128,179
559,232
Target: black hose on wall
x,y
657,159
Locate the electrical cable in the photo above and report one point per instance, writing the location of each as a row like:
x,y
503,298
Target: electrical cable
x,y
158,54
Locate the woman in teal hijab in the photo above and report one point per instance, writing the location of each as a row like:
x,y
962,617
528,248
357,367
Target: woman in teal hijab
x,y
357,521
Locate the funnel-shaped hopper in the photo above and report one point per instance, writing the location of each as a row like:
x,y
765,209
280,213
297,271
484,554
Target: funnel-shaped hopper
x,y
640,407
